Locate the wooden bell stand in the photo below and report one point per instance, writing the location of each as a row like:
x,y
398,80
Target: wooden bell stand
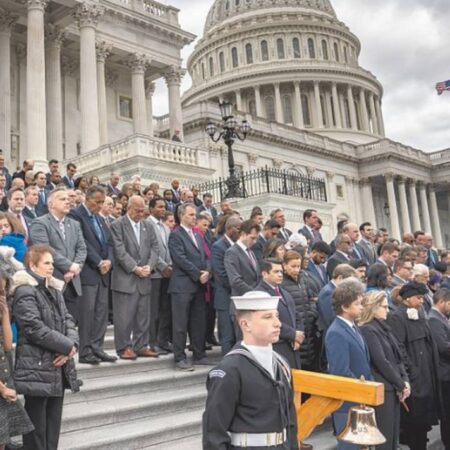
x,y
327,394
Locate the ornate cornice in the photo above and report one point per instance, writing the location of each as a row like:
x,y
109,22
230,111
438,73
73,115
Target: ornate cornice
x,y
252,158
138,62
174,75
37,4
55,35
7,20
103,50
87,14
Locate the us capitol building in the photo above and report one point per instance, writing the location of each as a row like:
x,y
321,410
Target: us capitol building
x,y
77,81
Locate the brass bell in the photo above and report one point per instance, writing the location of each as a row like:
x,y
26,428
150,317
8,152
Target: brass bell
x,y
361,428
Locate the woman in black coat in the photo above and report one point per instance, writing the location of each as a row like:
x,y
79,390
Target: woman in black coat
x,y
304,307
47,343
386,365
421,359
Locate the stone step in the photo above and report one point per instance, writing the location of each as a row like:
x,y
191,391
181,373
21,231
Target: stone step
x,y
137,434
127,408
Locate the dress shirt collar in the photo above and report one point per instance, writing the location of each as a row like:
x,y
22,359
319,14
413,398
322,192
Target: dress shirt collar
x,y
155,220
188,230
229,240
59,220
439,312
243,246
90,214
350,324
133,223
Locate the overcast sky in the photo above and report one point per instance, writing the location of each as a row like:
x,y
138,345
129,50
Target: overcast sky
x,y
404,44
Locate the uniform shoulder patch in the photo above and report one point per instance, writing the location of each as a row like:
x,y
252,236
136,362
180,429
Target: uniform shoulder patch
x,y
217,373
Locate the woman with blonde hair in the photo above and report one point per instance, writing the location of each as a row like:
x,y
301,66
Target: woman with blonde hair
x,y
386,365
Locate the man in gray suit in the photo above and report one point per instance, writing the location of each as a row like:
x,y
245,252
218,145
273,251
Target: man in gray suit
x,y
136,255
64,235
160,307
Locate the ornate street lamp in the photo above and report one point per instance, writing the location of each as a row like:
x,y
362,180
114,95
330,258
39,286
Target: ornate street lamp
x,y
231,129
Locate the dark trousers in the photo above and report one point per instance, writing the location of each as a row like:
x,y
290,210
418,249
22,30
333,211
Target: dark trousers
x,y
210,317
160,313
226,330
45,413
414,435
93,318
188,314
71,299
445,422
388,420
154,311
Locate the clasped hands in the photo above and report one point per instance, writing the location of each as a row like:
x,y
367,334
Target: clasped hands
x,y
143,271
299,338
405,393
60,360
75,270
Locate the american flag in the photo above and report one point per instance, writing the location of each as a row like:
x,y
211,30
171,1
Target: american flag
x,y
443,86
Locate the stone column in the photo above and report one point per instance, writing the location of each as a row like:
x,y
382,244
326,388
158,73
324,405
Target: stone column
x,y
328,108
238,100
351,106
414,206
138,64
337,109
258,102
173,80
149,91
299,121
404,210
367,199
21,56
379,116
54,39
278,105
363,107
36,102
437,235
424,206
395,226
319,116
87,16
7,21
373,114
103,51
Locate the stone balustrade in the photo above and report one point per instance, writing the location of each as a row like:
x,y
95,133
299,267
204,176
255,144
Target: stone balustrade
x,y
167,14
440,157
137,145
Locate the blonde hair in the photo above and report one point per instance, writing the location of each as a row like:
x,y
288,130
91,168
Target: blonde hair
x,y
371,302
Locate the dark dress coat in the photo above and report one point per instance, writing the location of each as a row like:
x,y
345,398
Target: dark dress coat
x,y
420,355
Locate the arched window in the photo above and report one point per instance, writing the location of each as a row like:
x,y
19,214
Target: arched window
x,y
287,109
324,111
280,48
311,48
296,48
252,107
264,51
325,49
270,108
345,55
306,110
222,61
234,57
211,66
249,53
336,52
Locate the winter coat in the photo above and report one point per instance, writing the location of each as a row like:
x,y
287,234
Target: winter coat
x,y
46,330
307,310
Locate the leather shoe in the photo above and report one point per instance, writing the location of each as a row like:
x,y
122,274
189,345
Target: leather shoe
x,y
160,350
202,362
147,352
89,359
167,347
104,357
184,366
213,341
305,446
128,353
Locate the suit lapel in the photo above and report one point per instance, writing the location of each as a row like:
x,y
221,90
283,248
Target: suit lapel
x,y
247,258
129,227
188,238
354,336
55,226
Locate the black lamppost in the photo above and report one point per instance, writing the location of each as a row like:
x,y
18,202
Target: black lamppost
x,y
231,130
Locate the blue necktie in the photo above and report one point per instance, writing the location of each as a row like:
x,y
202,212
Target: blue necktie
x,y
98,230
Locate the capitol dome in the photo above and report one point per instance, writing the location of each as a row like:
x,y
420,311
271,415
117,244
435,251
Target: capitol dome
x,y
287,61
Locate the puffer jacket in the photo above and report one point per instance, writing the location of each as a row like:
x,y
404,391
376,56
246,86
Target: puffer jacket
x,y
307,310
46,329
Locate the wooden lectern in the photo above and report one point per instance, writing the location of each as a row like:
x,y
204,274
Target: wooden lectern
x,y
328,393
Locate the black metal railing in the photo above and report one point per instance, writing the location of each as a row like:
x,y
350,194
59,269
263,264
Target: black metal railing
x,y
270,181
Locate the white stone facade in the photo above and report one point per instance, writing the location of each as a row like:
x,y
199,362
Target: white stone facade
x,y
77,79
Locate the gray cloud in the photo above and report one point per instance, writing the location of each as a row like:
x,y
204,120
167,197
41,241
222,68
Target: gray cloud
x,y
404,44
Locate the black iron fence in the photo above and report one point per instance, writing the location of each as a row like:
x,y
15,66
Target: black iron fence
x,y
270,181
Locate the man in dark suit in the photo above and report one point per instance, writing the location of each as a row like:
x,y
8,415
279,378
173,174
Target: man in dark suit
x,y
208,207
5,172
31,201
27,165
55,181
402,272
69,178
160,307
356,251
440,329
432,256
40,181
445,283
113,185
341,256
176,192
346,349
324,306
222,291
136,255
278,215
340,228
16,204
190,275
319,253
168,198
64,235
53,166
309,230
241,264
93,303
366,242
270,230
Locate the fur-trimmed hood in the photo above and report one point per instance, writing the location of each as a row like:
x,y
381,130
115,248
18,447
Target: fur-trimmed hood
x,y
23,278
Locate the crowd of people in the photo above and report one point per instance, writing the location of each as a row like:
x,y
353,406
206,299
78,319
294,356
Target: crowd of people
x,y
163,266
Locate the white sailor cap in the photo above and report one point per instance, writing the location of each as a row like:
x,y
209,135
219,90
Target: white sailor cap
x,y
255,301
